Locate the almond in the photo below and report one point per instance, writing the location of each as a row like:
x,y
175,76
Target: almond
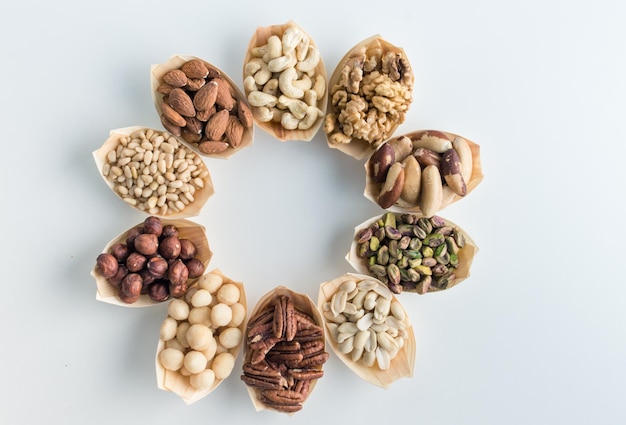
x,y
189,136
164,89
210,147
195,84
224,94
234,131
172,128
181,102
205,115
172,116
194,69
206,96
194,125
216,126
175,78
244,114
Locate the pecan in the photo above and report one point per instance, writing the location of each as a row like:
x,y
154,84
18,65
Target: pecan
x,y
262,329
263,316
288,346
316,360
286,358
310,348
278,322
301,375
263,382
303,387
285,408
288,397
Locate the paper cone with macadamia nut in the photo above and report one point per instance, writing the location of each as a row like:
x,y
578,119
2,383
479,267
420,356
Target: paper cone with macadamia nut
x,y
410,253
109,289
285,82
154,182
369,93
201,336
422,172
285,351
368,328
202,106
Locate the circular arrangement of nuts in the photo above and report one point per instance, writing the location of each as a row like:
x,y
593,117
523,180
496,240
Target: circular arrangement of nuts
x,y
409,248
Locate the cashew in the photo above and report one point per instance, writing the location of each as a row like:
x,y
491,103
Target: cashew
x,y
303,83
291,38
310,97
258,98
310,62
320,86
289,122
271,87
249,84
285,83
274,48
312,113
263,113
296,107
281,63
302,48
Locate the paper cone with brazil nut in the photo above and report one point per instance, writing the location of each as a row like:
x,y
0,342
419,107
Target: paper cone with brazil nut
x,y
369,94
368,328
285,82
411,253
285,351
422,172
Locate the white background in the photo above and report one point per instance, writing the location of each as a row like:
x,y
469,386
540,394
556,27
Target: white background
x,y
535,335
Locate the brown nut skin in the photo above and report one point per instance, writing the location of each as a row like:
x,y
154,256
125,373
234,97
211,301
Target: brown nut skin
x,y
170,247
170,230
107,264
177,291
153,225
159,291
135,262
131,285
178,273
120,251
146,244
147,279
451,171
195,268
157,266
187,249
131,235
392,188
116,280
380,162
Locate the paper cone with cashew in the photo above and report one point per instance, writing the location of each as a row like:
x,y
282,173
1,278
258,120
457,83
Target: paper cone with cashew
x,y
144,168
410,253
129,276
201,336
369,94
202,106
422,172
284,79
368,328
285,351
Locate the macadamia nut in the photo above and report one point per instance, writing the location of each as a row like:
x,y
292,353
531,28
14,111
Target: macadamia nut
x,y
171,358
202,298
211,282
178,309
202,380
221,314
228,294
223,364
199,336
230,337
168,329
195,362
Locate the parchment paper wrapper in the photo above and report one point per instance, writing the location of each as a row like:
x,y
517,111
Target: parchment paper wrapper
x,y
168,380
275,129
200,196
372,189
359,148
303,303
466,254
107,293
156,75
401,366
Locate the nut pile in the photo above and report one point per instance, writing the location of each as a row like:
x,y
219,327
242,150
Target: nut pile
x,y
282,81
411,253
153,172
201,106
367,322
202,332
422,169
371,97
154,260
286,353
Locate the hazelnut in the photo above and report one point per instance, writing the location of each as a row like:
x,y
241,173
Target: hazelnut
x,y
153,225
170,247
177,291
147,243
107,264
131,235
187,249
147,279
157,266
170,230
177,273
195,268
120,251
116,280
159,291
135,262
131,285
